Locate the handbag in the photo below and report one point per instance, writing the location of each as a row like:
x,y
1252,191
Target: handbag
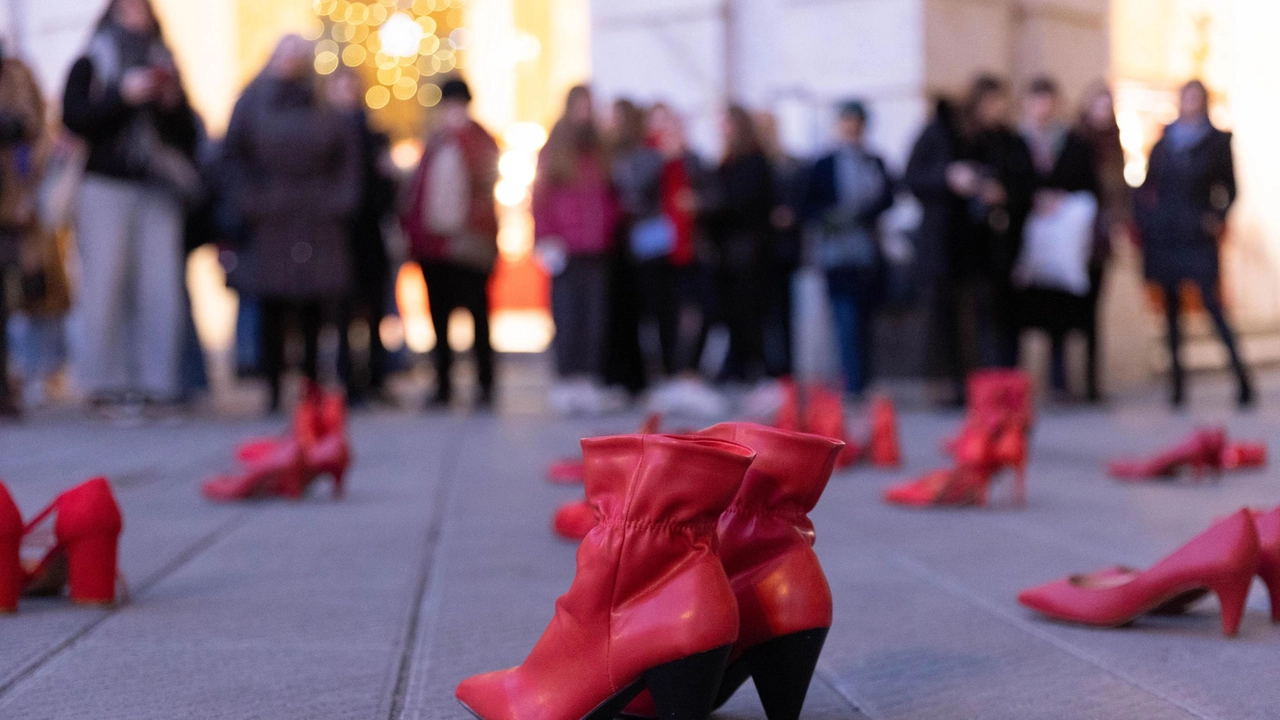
x,y
1056,246
653,238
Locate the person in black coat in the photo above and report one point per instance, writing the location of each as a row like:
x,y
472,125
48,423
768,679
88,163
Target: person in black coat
x,y
975,181
848,191
1181,212
1064,164
740,227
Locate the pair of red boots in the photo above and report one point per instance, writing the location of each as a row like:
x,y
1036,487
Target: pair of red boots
x,y
286,466
1205,451
994,438
1222,560
820,410
83,558
699,575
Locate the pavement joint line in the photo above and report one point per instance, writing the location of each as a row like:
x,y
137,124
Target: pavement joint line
x,y
828,679
954,588
200,545
440,501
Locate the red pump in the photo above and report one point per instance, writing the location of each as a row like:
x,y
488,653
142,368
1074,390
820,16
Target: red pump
x,y
87,534
1223,559
650,605
1204,452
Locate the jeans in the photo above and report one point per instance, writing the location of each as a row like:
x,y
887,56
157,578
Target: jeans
x,y
852,294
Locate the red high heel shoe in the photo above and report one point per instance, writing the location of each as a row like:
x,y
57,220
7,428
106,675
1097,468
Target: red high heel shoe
x,y
568,471
11,575
325,449
884,449
650,605
1223,559
982,453
788,415
86,537
278,471
766,545
994,393
1202,451
824,415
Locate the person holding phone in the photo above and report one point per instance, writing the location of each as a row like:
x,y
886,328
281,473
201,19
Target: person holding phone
x,y
124,97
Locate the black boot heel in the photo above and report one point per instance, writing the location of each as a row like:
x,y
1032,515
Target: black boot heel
x,y
686,688
782,669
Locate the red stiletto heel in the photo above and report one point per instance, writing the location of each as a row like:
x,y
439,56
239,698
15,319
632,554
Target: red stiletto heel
x,y
11,577
824,415
86,534
885,449
1222,559
1201,452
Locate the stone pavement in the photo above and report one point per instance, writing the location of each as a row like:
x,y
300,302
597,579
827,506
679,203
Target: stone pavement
x,y
439,564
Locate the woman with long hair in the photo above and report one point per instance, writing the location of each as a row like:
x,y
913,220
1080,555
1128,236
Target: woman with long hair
x,y
1182,212
299,164
740,225
1097,125
574,214
124,96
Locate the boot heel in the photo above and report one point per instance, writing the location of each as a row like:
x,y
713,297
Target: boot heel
x,y
782,669
10,574
91,573
339,478
1232,595
685,689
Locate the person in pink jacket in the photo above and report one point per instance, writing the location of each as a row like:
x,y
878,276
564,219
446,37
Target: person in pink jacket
x,y
575,214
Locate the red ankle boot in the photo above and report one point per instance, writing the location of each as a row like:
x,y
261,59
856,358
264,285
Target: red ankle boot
x,y
11,577
884,450
788,416
86,533
650,605
325,450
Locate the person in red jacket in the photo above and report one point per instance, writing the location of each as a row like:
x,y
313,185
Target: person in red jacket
x,y
452,227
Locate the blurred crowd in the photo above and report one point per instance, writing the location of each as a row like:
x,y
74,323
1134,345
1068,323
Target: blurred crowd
x,y
670,271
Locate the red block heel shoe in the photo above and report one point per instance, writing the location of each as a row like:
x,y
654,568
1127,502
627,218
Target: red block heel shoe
x,y
86,534
1200,453
766,545
11,576
824,415
650,605
1223,560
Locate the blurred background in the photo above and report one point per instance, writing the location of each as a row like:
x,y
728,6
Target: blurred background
x,y
797,60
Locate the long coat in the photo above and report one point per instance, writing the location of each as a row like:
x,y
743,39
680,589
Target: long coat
x,y
1181,207
942,211
299,166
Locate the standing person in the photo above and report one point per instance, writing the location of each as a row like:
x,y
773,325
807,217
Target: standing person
x,y
453,231
636,170
1181,210
371,272
574,216
783,259
975,179
848,192
1064,164
125,98
1097,125
739,222
299,165
21,127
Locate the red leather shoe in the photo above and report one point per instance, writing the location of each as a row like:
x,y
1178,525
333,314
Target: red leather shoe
x,y
86,537
325,449
824,415
1202,452
574,519
11,576
994,396
277,472
958,487
884,448
1223,559
1268,526
650,605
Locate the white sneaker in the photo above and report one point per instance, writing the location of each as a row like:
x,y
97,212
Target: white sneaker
x,y
764,400
698,399
602,400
